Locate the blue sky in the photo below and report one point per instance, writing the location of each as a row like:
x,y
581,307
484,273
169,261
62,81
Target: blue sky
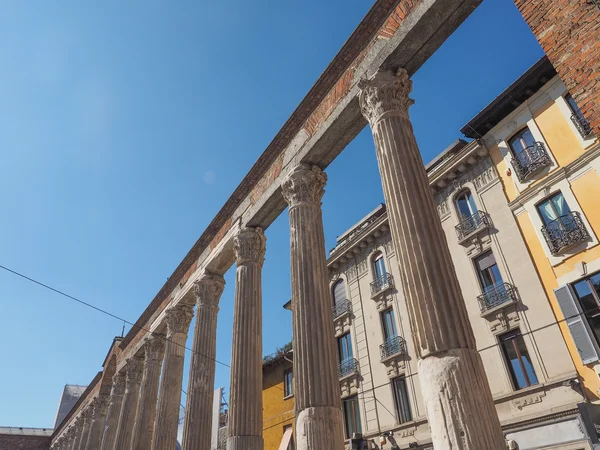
x,y
124,126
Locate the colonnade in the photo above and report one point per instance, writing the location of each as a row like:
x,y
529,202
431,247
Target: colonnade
x,y
141,412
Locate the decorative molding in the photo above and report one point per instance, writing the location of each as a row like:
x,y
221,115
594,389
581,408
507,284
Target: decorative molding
x,y
134,368
154,347
304,185
395,365
349,385
527,400
249,246
504,319
385,92
118,385
178,318
208,290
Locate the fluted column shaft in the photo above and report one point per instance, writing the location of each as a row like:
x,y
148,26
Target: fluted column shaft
x,y
114,411
458,399
99,404
167,416
85,430
245,399
134,367
77,428
198,412
154,348
319,422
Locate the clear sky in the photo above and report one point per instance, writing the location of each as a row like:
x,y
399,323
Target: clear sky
x,y
124,127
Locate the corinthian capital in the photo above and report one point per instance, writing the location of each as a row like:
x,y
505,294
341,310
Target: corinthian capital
x,y
118,385
179,317
305,184
134,367
385,92
249,246
208,289
154,347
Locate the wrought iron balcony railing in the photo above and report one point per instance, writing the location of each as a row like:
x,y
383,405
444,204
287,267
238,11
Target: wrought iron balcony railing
x,y
564,232
470,224
530,160
392,346
383,283
582,125
348,367
341,308
496,295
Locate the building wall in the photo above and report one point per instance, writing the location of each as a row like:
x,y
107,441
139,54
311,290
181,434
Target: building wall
x,y
569,33
278,412
20,442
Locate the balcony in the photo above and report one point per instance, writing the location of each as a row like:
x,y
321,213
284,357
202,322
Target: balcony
x,y
382,284
530,160
342,308
500,294
471,224
582,125
391,347
565,232
348,367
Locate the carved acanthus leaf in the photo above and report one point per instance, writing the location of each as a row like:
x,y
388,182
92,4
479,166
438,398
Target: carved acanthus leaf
x,y
249,246
134,367
118,386
208,289
385,92
179,318
305,184
154,347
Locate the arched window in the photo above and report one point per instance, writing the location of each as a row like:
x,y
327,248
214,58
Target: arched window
x,y
339,293
465,204
378,265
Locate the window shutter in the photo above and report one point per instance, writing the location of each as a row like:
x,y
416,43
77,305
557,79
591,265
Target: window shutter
x,y
578,326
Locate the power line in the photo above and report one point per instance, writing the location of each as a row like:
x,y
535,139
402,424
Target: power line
x,y
89,305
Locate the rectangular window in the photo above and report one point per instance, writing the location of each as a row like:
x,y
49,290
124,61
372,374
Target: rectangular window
x,y
351,416
401,400
588,294
288,383
345,347
552,208
389,325
518,360
487,271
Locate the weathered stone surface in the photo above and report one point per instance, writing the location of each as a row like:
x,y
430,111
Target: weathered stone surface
x,y
85,430
178,320
154,349
134,367
245,400
114,411
99,406
18,442
197,428
449,366
319,422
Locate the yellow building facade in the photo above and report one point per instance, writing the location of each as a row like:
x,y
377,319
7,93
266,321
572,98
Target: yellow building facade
x,y
549,162
278,402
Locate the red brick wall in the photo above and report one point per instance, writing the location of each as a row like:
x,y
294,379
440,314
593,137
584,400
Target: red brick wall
x,y
569,33
20,442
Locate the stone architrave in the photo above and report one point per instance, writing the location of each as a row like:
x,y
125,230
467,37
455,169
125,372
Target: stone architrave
x,y
197,428
319,422
133,367
245,399
458,399
114,411
85,429
178,320
99,405
154,347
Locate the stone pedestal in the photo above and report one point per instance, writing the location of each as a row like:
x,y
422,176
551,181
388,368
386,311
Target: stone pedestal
x,y
167,417
197,428
100,404
154,348
245,399
134,367
113,413
85,429
319,423
458,400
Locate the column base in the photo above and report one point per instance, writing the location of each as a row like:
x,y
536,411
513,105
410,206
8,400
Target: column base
x,y
460,408
245,443
320,428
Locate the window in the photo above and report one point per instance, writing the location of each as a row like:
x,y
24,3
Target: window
x,y
287,441
573,106
587,292
520,142
552,208
577,117
401,400
288,382
389,324
488,272
345,347
351,416
339,293
379,265
465,205
517,358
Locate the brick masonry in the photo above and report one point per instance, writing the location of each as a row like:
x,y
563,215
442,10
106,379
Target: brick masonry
x,y
20,442
569,33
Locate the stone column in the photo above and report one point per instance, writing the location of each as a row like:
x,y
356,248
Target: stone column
x,y
458,399
169,399
134,366
245,399
197,428
114,411
319,423
85,429
77,433
154,348
99,405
